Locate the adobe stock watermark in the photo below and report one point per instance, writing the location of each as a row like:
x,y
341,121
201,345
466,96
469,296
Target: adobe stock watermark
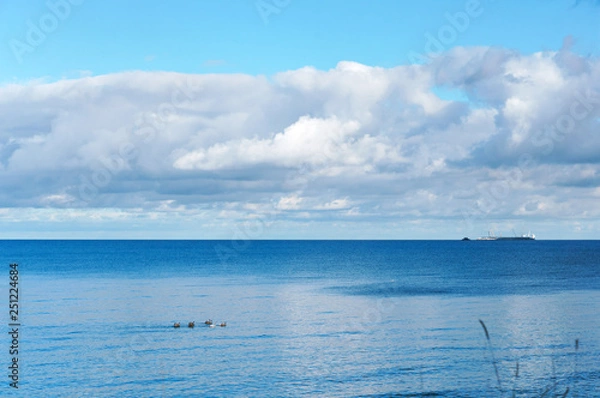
x,y
447,34
147,127
579,110
491,197
266,8
38,31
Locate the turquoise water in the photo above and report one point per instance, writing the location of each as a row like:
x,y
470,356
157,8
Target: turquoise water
x,y
305,318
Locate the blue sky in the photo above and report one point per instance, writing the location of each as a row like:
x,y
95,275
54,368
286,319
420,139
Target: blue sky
x,y
299,119
103,37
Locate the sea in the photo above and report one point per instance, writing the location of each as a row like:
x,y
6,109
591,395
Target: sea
x,y
303,318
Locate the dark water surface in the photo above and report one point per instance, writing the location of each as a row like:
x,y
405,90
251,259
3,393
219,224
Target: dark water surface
x,y
306,318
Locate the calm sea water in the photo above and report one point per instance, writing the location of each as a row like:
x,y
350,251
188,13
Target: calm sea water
x,y
305,318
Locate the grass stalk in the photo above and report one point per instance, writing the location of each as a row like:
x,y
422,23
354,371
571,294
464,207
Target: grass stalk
x,y
491,350
575,368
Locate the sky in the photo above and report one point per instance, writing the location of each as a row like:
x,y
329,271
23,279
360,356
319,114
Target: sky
x,y
289,119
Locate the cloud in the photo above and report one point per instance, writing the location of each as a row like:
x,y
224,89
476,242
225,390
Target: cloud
x,y
336,204
312,141
354,142
289,203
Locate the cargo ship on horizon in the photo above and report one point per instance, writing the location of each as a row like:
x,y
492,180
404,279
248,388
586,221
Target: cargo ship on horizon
x,y
491,236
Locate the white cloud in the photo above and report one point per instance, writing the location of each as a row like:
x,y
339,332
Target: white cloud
x,y
336,204
309,140
289,203
374,142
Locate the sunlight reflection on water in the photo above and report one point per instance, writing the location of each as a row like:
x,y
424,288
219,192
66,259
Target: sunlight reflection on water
x,y
115,336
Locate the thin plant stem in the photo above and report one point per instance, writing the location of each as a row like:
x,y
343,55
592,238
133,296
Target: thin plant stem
x,y
490,348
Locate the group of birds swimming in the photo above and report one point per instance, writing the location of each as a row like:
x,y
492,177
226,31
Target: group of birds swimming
x,y
209,323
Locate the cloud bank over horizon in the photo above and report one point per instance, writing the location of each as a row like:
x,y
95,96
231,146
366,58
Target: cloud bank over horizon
x,y
480,136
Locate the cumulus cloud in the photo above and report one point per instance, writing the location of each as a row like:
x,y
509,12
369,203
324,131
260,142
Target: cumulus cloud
x,y
354,142
308,140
